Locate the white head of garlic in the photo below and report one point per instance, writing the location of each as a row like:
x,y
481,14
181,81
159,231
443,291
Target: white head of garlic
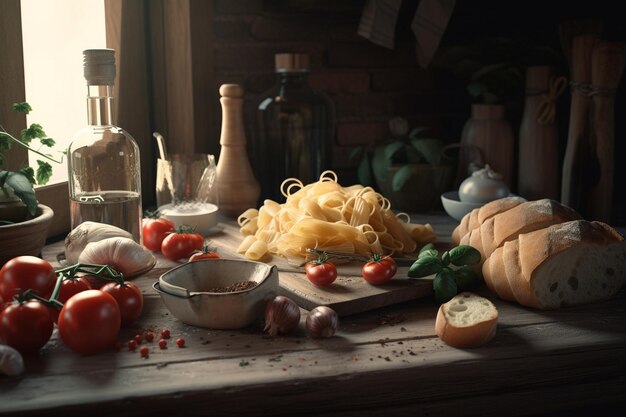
x,y
88,232
120,253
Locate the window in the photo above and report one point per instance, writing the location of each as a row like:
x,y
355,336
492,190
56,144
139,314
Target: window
x,y
54,34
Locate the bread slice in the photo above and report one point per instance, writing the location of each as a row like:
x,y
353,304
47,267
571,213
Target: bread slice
x,y
466,321
573,263
476,217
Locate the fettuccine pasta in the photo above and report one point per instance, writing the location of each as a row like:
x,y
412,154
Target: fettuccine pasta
x,y
326,216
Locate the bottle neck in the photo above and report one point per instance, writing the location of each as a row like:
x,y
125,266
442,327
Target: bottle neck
x,y
100,105
297,78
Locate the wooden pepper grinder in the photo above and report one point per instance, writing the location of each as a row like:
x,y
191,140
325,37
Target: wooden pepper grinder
x,y
237,187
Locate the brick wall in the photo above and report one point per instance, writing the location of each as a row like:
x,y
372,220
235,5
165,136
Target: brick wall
x,y
368,84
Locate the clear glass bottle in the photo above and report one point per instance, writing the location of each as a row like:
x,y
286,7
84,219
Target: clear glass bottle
x,y
103,159
295,128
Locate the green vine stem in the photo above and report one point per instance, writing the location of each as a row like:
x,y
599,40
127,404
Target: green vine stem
x,y
104,272
8,135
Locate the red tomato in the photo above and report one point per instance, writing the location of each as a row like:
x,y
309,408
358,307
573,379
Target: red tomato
x,y
26,272
129,299
379,271
90,322
26,326
69,287
321,274
181,245
154,231
205,254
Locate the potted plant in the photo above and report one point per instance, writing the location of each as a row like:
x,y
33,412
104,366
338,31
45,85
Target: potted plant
x,y
24,222
410,169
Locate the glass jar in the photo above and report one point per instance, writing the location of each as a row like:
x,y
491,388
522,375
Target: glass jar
x,y
295,125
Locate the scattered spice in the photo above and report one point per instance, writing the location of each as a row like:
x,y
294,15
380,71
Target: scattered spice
x,y
391,319
236,287
243,363
276,358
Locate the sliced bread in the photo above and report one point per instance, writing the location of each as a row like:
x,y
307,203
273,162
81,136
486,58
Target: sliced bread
x,y
466,321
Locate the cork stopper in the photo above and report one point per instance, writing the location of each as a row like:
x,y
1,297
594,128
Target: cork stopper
x,y
289,62
99,66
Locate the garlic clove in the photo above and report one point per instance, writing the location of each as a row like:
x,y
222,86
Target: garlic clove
x,y
122,254
88,232
11,361
322,322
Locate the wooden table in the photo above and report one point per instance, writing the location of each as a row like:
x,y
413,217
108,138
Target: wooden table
x,y
384,362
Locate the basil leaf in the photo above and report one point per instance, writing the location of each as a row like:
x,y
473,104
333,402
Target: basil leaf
x,y
445,258
444,286
464,255
401,177
466,278
23,189
424,266
428,250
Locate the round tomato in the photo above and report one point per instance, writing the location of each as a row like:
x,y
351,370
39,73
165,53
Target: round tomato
x,y
379,271
206,253
26,272
69,288
89,322
181,245
26,326
321,273
154,231
129,299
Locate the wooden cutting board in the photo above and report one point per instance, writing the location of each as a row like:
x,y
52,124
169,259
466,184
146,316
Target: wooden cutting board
x,y
349,294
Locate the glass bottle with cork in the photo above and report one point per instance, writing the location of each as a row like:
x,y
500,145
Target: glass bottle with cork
x,y
295,127
103,159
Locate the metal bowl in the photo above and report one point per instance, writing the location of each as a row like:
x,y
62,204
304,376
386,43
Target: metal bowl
x,y
184,291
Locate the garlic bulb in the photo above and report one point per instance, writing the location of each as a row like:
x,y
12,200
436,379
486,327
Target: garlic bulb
x,y
11,362
121,253
322,321
482,187
88,232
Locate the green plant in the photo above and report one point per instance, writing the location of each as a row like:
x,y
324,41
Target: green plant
x,y
21,182
403,149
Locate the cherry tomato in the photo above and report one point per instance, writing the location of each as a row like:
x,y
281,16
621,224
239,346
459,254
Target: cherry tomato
x,y
132,345
129,299
26,327
180,342
165,334
181,245
206,253
90,322
69,287
321,273
379,271
149,336
154,231
26,272
144,351
163,344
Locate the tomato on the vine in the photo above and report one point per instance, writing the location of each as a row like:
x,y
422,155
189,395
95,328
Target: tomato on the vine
x,y
321,272
129,299
154,231
379,271
69,288
26,272
26,326
89,322
206,253
181,244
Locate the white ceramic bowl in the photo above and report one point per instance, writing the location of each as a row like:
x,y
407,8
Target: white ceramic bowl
x,y
455,207
183,290
201,220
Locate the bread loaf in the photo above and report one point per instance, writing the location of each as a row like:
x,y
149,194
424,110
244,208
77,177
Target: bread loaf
x,y
523,218
568,264
476,217
466,321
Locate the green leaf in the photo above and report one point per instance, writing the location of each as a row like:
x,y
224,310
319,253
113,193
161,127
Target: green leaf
x,y
444,286
3,177
23,189
429,148
464,255
44,172
33,131
424,266
466,278
445,258
380,164
417,131
401,177
364,172
356,153
392,148
49,142
23,107
428,250
29,173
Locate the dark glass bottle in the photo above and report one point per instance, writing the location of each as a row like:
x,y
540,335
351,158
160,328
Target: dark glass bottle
x,y
295,128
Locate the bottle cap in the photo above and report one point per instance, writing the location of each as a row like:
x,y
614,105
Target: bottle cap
x,y
99,66
289,62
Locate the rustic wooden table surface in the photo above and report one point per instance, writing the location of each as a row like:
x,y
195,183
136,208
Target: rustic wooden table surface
x,y
385,361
